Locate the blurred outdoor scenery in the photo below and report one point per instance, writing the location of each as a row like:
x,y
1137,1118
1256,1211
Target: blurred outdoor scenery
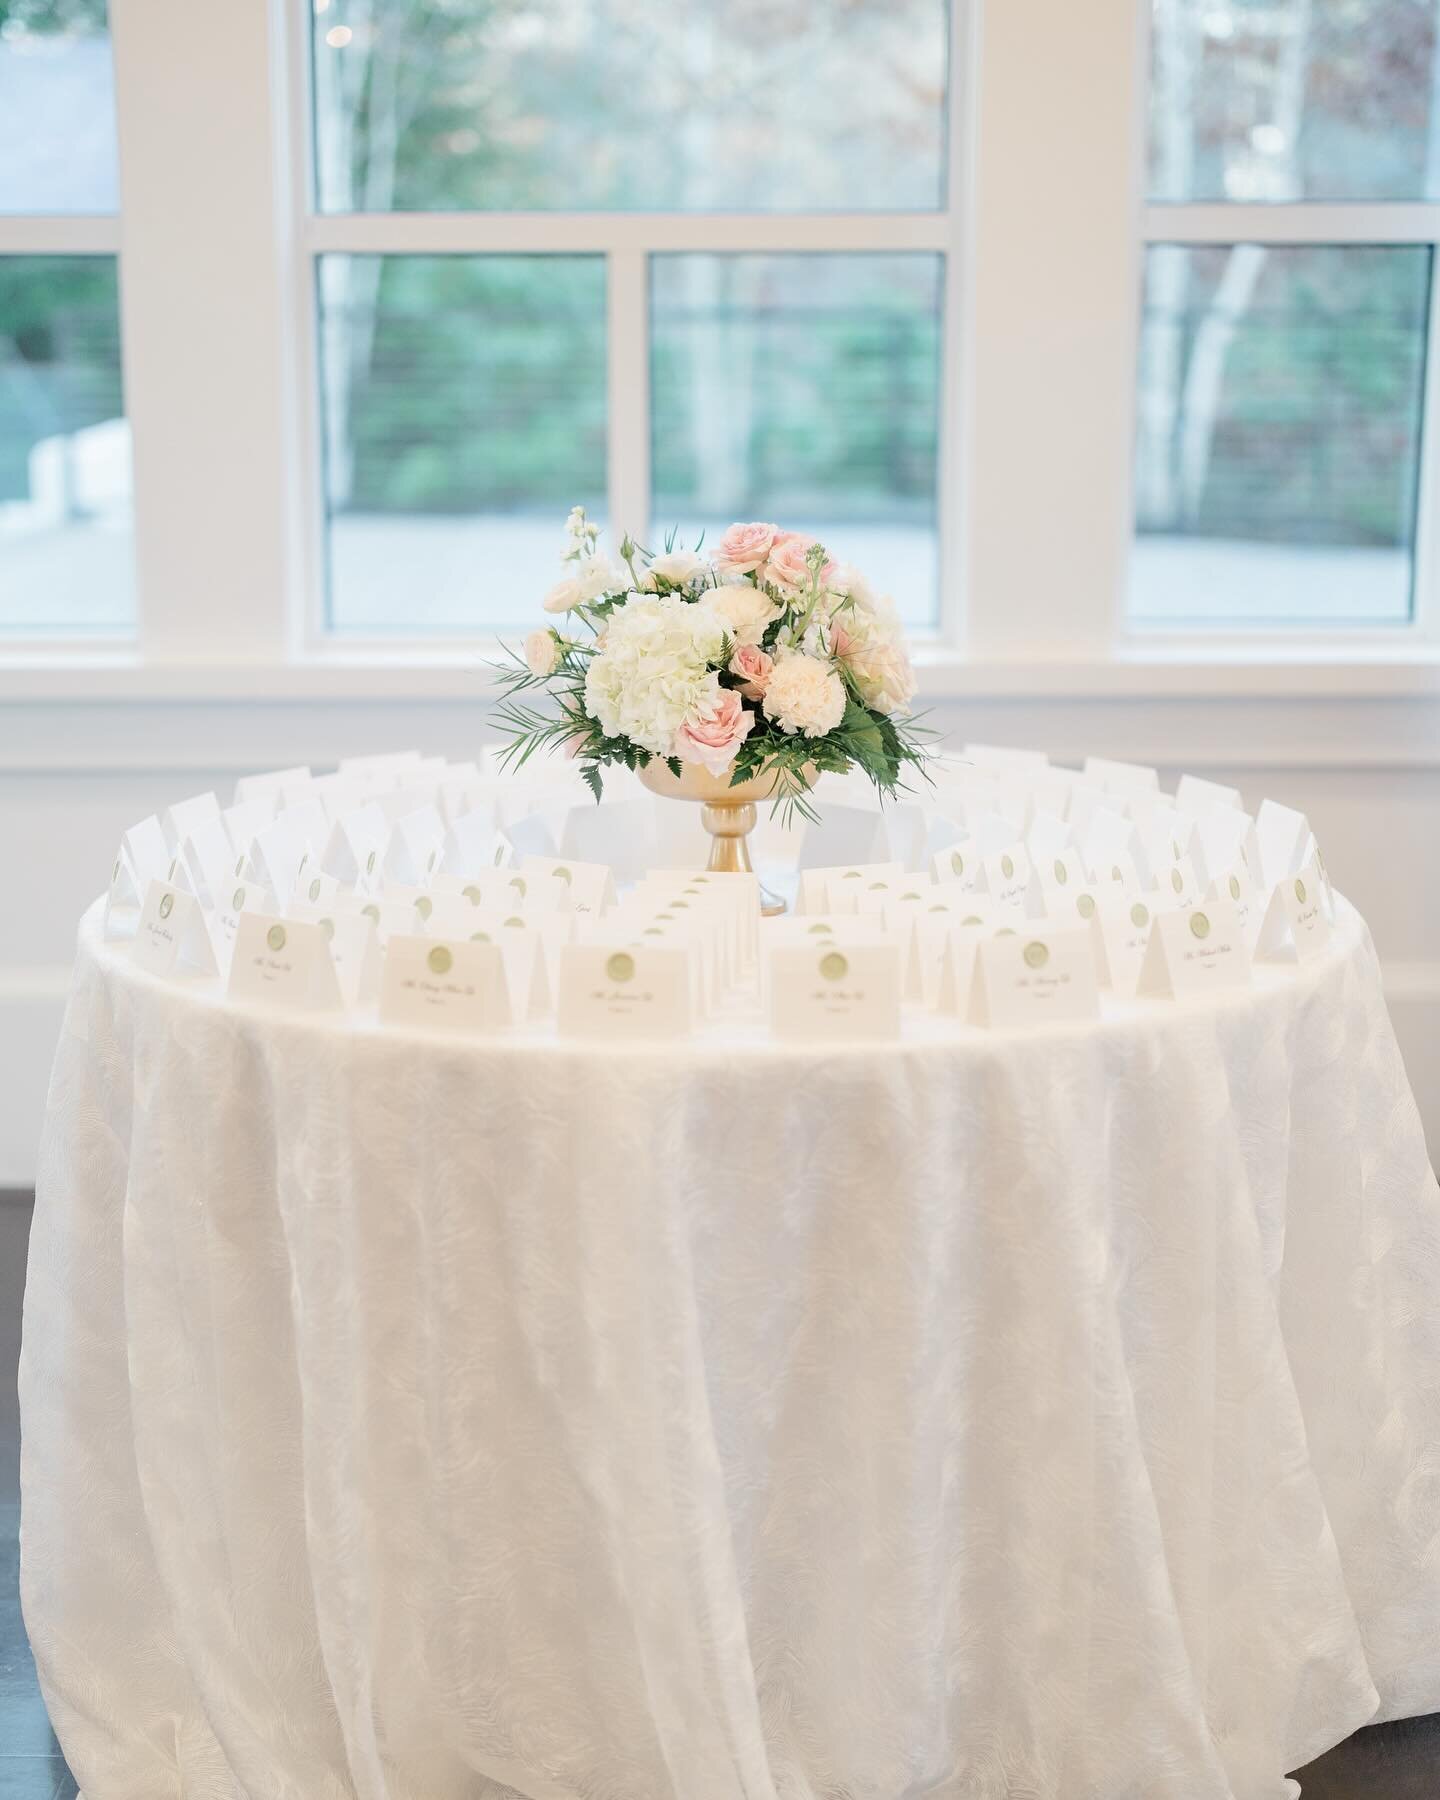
x,y
463,398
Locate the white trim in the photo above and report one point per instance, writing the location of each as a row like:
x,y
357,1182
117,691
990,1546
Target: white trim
x,y
957,324
572,234
407,671
1293,222
73,235
627,341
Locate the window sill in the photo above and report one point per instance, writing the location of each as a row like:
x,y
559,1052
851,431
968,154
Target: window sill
x,y
1356,671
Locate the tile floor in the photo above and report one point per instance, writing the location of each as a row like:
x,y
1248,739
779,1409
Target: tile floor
x,y
1388,1762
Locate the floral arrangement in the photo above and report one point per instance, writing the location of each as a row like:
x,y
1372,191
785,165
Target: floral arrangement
x,y
762,658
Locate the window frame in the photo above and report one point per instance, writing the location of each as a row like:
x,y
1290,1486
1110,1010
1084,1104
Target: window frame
x,y
1045,170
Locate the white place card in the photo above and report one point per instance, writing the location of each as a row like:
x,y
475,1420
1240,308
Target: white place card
x,y
1223,837
208,859
1032,978
388,764
182,818
842,837
1005,876
581,887
1297,922
1195,795
444,985
815,884
1004,757
171,937
266,788
1111,840
958,865
1195,952
956,973
1177,884
277,855
1063,905
241,897
474,842
844,990
1120,937
415,846
242,822
624,994
1121,777
354,948
526,957
314,890
1047,836
1236,886
355,845
1060,870
1282,835
284,963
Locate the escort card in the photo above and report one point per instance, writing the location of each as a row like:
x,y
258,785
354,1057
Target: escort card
x,y
1061,871
208,858
277,856
1194,795
959,865
527,965
182,818
314,890
580,887
1282,835
1023,979
815,893
444,985
1196,951
415,846
243,897
354,949
1121,777
355,845
1121,935
1296,920
1005,876
1111,842
1002,756
1236,886
842,837
956,973
266,788
474,842
623,994
171,938
283,962
1177,884
840,990
1047,837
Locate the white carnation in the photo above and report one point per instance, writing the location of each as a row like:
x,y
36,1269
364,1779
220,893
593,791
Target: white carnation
x,y
805,695
745,609
654,669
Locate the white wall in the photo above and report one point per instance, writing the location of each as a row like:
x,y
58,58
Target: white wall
x,y
75,772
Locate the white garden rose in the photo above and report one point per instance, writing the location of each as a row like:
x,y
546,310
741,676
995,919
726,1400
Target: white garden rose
x,y
679,567
868,638
542,653
564,597
805,695
745,609
597,575
655,669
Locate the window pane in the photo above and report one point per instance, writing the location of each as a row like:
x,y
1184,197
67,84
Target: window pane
x,y
57,108
630,104
464,413
1290,100
1279,433
65,528
803,389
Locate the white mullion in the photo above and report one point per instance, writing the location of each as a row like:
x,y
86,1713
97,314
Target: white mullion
x,y
627,338
201,282
956,443
1425,617
88,235
1294,222
606,233
1056,284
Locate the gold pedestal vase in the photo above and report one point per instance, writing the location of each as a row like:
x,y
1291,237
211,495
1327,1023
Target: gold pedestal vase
x,y
727,813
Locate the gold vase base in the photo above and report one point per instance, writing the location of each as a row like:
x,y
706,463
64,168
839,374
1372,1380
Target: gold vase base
x,y
730,823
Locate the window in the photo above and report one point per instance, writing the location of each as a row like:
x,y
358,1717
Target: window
x,y
65,528
1282,358
552,343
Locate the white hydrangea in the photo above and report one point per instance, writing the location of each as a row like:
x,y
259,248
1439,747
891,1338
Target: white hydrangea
x,y
656,667
805,695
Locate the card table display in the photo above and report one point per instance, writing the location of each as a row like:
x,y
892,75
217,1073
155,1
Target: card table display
x,y
493,1331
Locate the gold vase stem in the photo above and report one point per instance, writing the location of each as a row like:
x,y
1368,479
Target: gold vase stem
x,y
729,823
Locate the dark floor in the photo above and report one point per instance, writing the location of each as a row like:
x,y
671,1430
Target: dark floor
x,y
1387,1762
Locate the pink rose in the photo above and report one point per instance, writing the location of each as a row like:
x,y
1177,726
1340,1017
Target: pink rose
x,y
714,731
785,568
754,668
744,547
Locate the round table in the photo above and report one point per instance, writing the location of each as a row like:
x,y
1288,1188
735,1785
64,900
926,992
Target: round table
x,y
989,1415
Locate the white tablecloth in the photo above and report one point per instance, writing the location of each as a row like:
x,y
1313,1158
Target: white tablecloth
x,y
1053,1416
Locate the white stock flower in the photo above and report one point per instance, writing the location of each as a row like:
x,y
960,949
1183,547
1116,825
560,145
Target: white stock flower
x,y
805,695
745,609
597,575
654,670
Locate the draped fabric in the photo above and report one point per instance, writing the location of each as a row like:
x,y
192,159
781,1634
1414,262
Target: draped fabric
x,y
991,1416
